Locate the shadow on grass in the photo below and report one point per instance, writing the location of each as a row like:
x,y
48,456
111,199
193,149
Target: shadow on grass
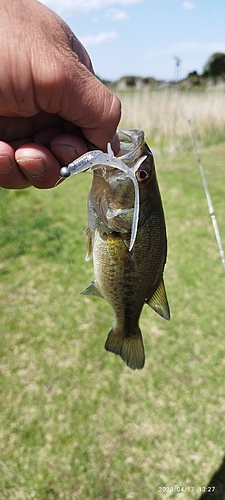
x,y
217,481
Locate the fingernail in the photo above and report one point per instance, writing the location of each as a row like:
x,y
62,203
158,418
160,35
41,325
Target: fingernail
x,y
33,167
6,164
115,143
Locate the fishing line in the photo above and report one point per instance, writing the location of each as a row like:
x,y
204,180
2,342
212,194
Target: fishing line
x,y
59,181
208,197
63,244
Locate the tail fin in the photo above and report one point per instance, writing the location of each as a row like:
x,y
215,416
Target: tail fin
x,y
131,349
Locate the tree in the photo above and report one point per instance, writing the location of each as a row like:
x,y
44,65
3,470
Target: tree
x,y
131,81
215,66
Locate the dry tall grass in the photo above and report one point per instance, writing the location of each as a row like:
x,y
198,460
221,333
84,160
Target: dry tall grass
x,y
163,113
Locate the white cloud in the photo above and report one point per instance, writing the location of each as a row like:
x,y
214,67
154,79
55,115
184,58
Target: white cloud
x,y
71,7
116,15
184,47
187,5
98,39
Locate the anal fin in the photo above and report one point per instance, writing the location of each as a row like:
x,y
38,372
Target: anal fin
x,y
159,301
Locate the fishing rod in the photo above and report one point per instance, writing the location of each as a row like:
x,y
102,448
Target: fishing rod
x,y
208,197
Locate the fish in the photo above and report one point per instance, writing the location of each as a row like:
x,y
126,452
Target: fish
x,y
126,236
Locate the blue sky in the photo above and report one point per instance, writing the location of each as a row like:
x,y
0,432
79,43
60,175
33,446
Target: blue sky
x,y
142,37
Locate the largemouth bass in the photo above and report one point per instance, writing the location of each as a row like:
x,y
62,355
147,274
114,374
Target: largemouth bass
x,y
127,238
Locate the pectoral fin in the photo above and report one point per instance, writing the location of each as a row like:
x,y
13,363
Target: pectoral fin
x,y
87,234
92,289
159,301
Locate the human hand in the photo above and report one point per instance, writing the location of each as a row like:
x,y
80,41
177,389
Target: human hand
x,y
50,100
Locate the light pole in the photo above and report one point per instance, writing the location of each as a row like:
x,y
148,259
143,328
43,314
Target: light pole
x,y
176,69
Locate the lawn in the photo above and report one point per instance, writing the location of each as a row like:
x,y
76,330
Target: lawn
x,y
75,422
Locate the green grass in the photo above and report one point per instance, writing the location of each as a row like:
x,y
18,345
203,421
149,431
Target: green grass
x,y
75,422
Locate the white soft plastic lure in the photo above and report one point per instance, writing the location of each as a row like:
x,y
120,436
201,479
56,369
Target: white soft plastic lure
x,y
97,159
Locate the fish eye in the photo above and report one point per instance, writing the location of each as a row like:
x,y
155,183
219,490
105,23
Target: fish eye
x,y
142,174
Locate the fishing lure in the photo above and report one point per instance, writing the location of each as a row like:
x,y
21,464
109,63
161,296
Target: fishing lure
x,y
97,159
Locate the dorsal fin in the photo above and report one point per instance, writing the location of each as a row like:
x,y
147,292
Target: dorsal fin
x,y
159,301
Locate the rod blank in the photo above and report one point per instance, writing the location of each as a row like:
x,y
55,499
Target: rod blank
x,y
208,197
